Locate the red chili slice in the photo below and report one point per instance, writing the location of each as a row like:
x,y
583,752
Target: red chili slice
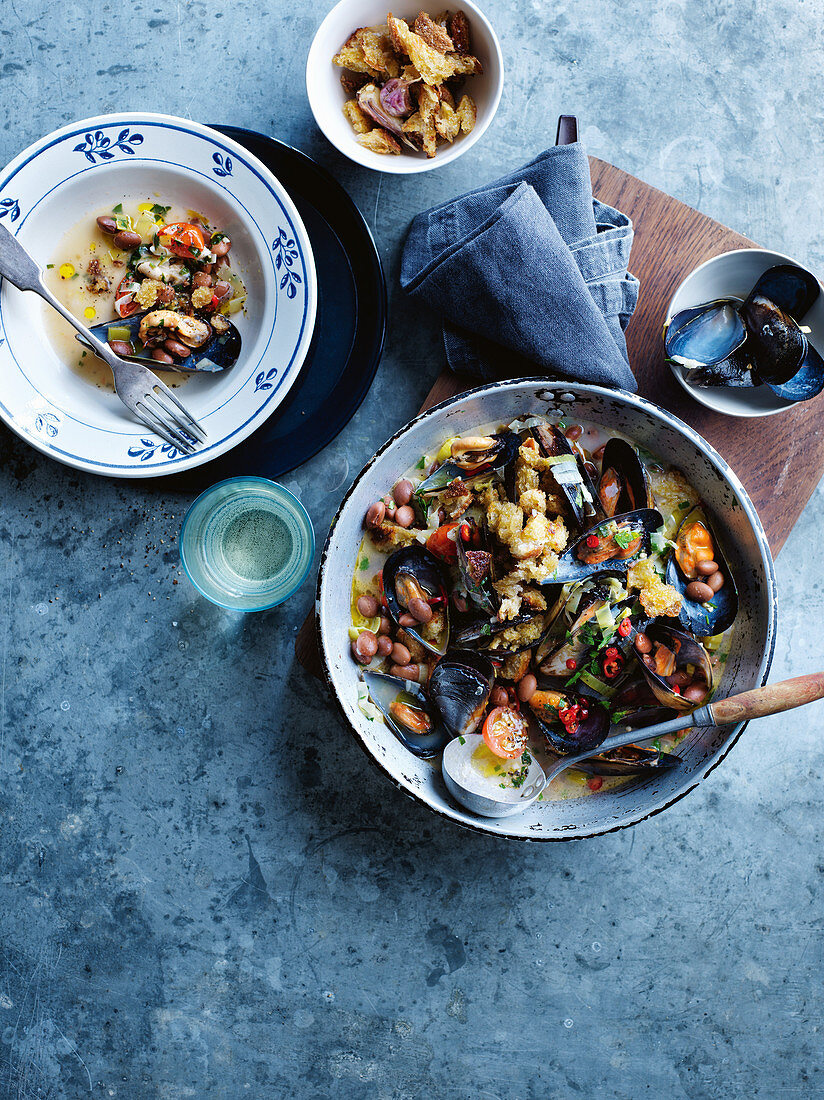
x,y
624,627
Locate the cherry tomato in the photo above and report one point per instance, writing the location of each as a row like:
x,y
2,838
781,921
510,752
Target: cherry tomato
x,y
183,239
505,732
441,545
571,664
124,302
595,782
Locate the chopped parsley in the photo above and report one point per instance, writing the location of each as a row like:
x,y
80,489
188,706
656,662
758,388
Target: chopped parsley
x,y
421,463
624,537
683,505
49,266
363,563
462,739
486,629
118,209
160,211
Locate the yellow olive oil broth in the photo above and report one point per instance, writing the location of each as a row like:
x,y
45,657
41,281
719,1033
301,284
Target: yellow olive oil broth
x,y
670,499
67,276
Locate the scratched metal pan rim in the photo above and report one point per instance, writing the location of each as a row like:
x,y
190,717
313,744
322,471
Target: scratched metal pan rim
x,y
652,428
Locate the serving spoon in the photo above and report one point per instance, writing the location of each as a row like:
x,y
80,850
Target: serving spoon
x,y
756,703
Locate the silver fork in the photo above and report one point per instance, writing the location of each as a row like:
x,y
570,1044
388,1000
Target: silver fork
x,y
141,391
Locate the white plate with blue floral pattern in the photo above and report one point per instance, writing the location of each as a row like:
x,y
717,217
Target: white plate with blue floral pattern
x,y
69,174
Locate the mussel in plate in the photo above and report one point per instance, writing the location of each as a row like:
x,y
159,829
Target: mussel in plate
x,y
407,712
623,485
570,722
736,371
609,546
705,334
699,571
459,687
793,289
413,581
569,474
629,760
677,669
210,350
474,567
473,457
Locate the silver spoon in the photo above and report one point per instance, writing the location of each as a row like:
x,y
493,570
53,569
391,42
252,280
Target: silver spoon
x,y
141,391
757,703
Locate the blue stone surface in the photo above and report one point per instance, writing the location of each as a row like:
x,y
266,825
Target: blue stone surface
x,y
204,892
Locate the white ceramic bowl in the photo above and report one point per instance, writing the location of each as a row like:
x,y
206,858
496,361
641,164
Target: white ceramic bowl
x,y
326,96
733,275
70,174
736,524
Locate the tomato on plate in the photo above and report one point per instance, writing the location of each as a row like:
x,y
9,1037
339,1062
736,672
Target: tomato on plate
x,y
124,302
183,239
505,732
441,545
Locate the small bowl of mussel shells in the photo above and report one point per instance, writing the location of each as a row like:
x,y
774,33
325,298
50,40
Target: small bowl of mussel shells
x,y
744,333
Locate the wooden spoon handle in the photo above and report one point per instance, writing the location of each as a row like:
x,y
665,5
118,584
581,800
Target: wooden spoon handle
x,y
770,699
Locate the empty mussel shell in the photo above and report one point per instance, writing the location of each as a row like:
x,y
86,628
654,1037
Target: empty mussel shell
x,y
623,485
696,542
413,573
635,705
485,634
793,289
675,654
706,334
807,382
570,642
459,687
776,343
569,474
407,712
218,353
587,730
734,371
608,547
629,760
474,566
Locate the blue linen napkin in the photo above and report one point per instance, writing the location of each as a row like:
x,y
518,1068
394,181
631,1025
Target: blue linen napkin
x,y
528,271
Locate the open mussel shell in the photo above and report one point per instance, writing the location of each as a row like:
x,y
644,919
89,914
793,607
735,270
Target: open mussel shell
x,y
459,687
476,464
629,760
412,572
590,732
569,643
481,633
735,371
706,334
635,705
793,289
689,655
776,343
713,617
407,712
808,380
569,474
623,485
217,354
581,560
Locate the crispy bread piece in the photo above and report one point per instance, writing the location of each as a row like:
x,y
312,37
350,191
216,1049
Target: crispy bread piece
x,y
447,123
379,141
459,32
421,126
353,82
467,113
432,33
435,67
361,123
368,51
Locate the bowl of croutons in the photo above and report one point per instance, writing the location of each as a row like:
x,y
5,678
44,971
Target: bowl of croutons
x,y
404,92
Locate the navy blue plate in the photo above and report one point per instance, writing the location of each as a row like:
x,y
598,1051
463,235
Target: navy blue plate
x,y
349,332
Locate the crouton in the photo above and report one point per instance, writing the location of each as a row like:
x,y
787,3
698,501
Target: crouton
x,y
379,141
435,67
351,56
353,82
432,33
421,126
361,123
459,32
467,113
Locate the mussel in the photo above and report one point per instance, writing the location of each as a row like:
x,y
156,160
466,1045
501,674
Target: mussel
x,y
473,457
623,485
705,334
609,547
791,288
635,705
412,573
569,474
481,633
218,352
567,641
736,371
709,597
676,655
570,722
784,358
459,687
629,760
407,712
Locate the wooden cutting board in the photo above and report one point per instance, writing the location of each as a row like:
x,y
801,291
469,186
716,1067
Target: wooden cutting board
x,y
670,240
